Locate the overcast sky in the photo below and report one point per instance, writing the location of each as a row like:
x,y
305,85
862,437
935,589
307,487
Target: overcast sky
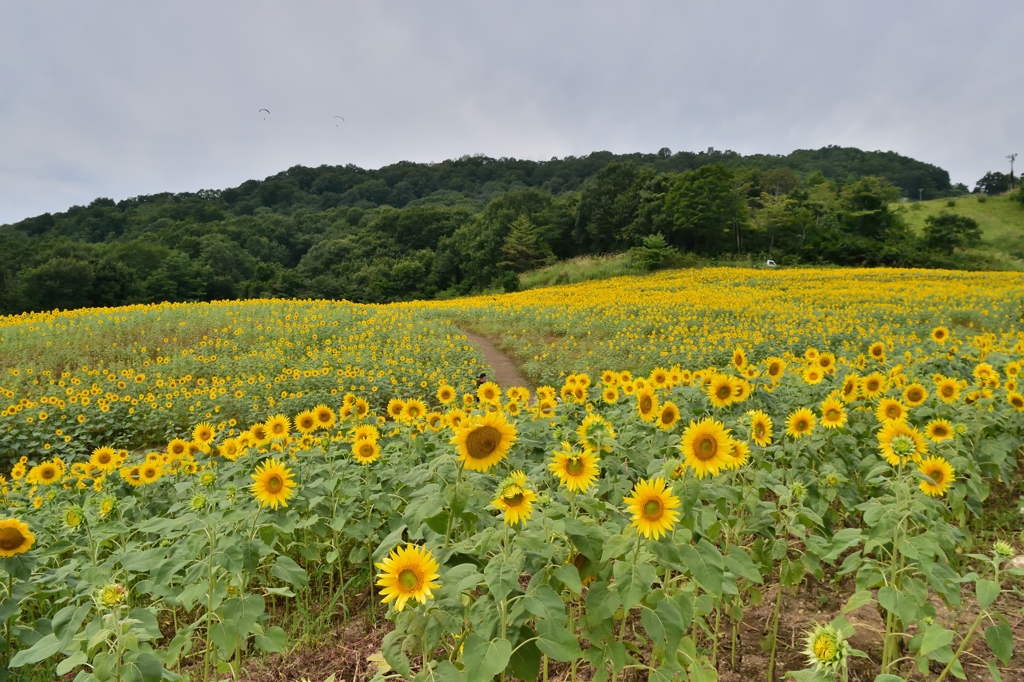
x,y
117,99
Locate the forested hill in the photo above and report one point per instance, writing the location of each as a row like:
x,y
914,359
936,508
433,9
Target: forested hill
x,y
421,230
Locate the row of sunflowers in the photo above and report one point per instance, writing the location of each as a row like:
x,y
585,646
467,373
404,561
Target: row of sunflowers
x,y
618,523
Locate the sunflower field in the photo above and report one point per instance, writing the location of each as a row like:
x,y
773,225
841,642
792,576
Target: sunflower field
x,y
706,456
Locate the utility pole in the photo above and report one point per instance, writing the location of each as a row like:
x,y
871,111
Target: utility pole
x,y
920,193
1011,158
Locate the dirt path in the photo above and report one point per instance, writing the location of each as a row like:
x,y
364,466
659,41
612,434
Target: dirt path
x,y
503,370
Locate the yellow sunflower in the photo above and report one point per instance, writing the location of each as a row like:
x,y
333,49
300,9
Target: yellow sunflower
x,y
851,388
455,418
872,385
705,446
396,406
231,449
305,422
609,378
833,413
361,407
1016,400
414,409
827,362
272,484
515,500
408,573
877,351
721,391
150,472
940,334
939,476
900,442
948,389
890,409
813,375
365,451
177,448
915,394
325,417
646,404
46,473
737,454
610,394
739,358
203,433
668,416
434,420
595,429
489,392
259,435
658,377
800,423
104,459
132,475
278,427
15,537
653,507
938,430
484,441
760,428
775,367
445,394
575,470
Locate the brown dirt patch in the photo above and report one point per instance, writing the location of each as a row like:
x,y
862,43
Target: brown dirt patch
x,y
503,370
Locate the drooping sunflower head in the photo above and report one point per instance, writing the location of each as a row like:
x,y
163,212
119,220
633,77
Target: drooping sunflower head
x,y
445,394
800,422
575,470
272,484
705,447
365,451
938,476
15,537
760,428
646,404
484,441
833,413
653,507
890,409
668,415
595,432
409,572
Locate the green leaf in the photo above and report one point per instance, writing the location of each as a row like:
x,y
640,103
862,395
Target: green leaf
x,y
224,635
791,572
68,620
389,543
740,563
602,602
1000,640
525,661
988,591
143,668
502,576
705,565
274,640
557,642
615,547
446,672
935,637
44,648
287,570
71,662
482,660
391,648
147,622
244,612
632,581
544,602
570,577
993,670
653,627
898,602
858,599
889,678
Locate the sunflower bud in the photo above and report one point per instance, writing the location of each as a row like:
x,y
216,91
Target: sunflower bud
x,y
112,595
826,650
1002,549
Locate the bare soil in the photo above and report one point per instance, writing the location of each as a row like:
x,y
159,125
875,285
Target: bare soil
x,y
503,371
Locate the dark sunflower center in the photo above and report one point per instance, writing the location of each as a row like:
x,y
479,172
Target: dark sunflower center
x,y
759,430
833,413
892,411
10,539
824,362
773,369
723,392
366,450
872,385
801,425
274,483
936,476
667,417
574,467
408,579
646,404
1017,401
515,500
652,509
914,395
706,448
947,391
48,473
104,458
482,441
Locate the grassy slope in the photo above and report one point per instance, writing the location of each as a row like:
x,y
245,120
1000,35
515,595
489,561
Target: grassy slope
x,y
1001,220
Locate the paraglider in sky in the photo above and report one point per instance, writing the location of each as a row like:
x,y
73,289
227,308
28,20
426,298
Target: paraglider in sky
x,y
266,110
342,120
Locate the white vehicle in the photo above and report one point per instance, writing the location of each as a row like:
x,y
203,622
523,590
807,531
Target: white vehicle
x,y
770,263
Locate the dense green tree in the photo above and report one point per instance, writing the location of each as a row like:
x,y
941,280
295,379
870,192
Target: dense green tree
x,y
707,210
993,182
524,248
947,231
